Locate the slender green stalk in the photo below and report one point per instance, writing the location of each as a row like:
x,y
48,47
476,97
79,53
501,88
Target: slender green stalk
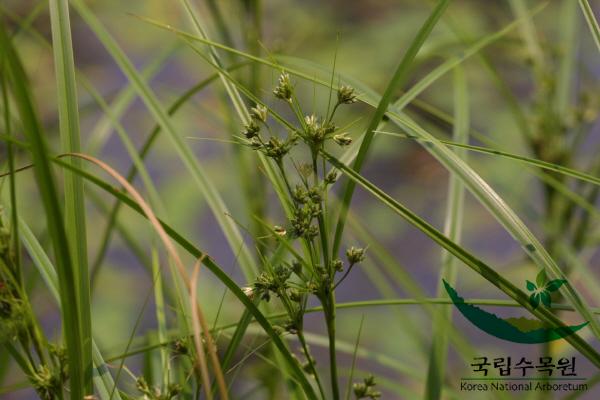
x,y
160,315
16,245
74,201
311,363
352,368
588,13
329,311
452,229
570,172
360,305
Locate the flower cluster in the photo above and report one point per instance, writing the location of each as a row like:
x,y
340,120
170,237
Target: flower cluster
x,y
355,255
4,240
155,393
284,88
317,131
314,131
12,314
273,147
46,383
306,217
366,389
346,95
314,271
276,282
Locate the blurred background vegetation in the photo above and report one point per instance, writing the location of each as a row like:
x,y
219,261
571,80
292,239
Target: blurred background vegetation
x,y
368,38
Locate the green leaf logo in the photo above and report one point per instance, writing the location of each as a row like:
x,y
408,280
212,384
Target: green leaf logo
x,y
542,289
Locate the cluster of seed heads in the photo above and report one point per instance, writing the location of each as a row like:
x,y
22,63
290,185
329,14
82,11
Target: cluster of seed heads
x,y
47,383
284,89
180,347
13,314
314,131
273,147
366,389
13,311
48,380
355,255
346,95
156,393
291,282
273,283
5,239
17,324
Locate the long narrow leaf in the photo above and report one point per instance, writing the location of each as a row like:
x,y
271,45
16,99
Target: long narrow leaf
x,y
573,173
101,375
470,260
202,181
68,115
588,13
398,78
452,229
216,270
67,275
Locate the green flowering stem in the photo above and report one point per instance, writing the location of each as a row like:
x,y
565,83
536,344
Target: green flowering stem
x,y
16,249
285,178
343,276
321,219
329,311
311,362
333,111
309,243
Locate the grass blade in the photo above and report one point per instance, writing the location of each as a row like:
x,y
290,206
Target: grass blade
x,y
101,376
398,79
567,70
470,260
205,185
452,62
351,375
143,152
14,225
68,114
501,211
588,13
216,270
161,320
69,296
573,173
452,228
